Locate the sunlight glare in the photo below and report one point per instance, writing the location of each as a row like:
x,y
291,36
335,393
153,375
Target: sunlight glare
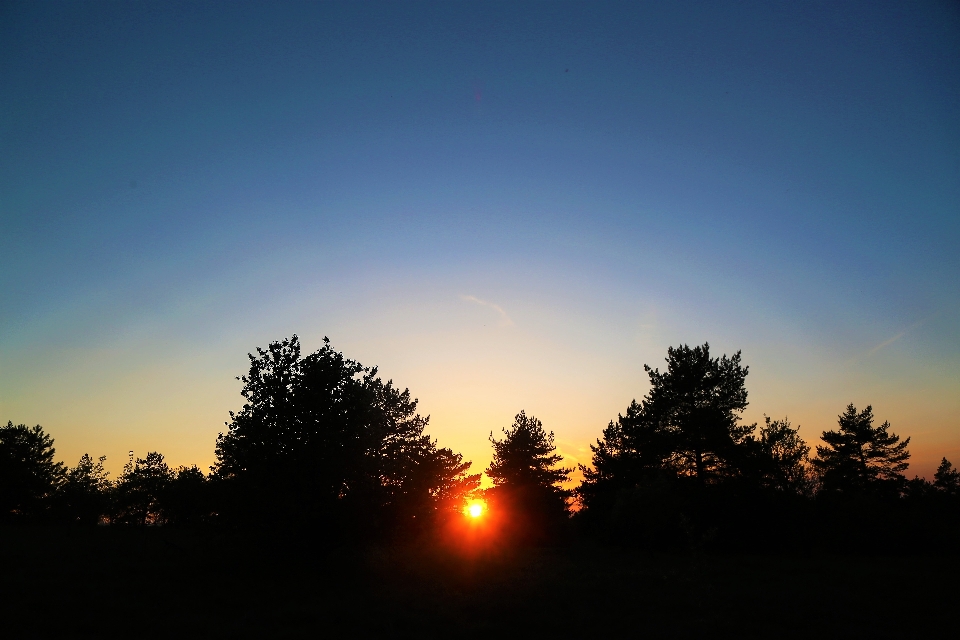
x,y
475,510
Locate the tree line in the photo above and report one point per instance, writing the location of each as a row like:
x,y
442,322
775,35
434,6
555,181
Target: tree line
x,y
323,443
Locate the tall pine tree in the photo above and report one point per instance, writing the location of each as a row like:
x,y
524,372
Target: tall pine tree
x,y
527,483
859,457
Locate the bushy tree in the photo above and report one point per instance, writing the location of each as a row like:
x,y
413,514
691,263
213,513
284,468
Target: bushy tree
x,y
527,483
297,448
447,482
186,498
783,457
84,495
140,491
322,439
28,473
432,488
859,457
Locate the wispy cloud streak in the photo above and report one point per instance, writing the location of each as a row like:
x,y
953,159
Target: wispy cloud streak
x,y
891,340
505,320
885,343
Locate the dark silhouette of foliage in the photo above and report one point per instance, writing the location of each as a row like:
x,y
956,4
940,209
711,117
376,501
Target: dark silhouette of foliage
x,y
698,401
946,478
679,468
687,425
928,512
28,474
632,449
864,503
630,491
84,495
859,457
186,498
432,489
148,492
325,445
140,491
527,484
526,457
322,440
781,458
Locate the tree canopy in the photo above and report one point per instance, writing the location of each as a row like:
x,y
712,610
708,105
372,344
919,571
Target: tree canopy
x,y
688,424
946,478
697,402
781,457
860,457
28,472
83,497
527,483
324,444
322,438
141,490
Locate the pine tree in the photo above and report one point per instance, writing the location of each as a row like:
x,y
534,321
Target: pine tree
x,y
632,451
697,401
28,474
652,468
946,478
526,481
859,457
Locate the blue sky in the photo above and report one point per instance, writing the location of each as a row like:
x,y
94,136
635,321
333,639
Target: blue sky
x,y
504,206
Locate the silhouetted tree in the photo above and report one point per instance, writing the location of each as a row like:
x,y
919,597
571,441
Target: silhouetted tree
x,y
859,457
688,424
186,498
84,495
297,447
527,484
28,474
698,401
526,456
432,487
783,457
448,483
140,491
632,447
946,478
322,439
680,465
634,451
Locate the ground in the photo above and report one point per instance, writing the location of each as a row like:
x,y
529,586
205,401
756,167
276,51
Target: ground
x,y
167,582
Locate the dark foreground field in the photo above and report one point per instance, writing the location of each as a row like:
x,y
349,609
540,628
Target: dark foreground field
x,y
166,582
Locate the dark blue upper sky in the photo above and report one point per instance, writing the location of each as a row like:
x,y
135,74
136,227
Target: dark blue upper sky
x,y
203,177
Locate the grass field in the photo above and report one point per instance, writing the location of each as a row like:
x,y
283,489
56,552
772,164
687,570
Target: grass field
x,y
164,582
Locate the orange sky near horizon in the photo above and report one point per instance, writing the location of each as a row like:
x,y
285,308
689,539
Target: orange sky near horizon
x,y
471,376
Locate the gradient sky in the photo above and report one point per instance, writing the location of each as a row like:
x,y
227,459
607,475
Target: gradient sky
x,y
503,206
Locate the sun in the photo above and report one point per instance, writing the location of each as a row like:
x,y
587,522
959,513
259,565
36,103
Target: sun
x,y
475,510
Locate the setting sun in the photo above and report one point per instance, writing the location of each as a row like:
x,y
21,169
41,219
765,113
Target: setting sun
x,y
475,510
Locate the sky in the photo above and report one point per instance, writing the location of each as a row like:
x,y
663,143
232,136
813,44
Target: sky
x,y
503,206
